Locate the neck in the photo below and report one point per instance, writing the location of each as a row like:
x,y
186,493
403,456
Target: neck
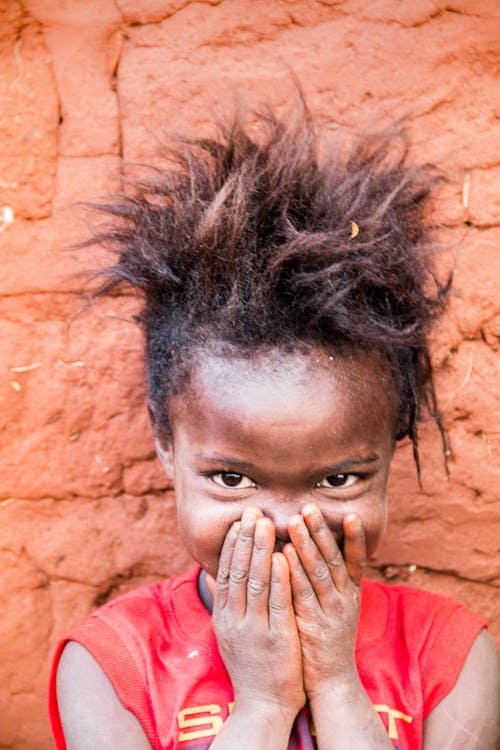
x,y
206,589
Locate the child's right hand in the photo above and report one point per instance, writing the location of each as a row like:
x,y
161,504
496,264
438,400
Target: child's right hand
x,y
254,620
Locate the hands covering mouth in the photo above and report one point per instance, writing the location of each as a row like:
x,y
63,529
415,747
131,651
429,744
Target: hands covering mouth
x,y
297,601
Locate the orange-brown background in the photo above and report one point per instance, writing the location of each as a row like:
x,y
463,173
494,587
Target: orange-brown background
x,y
87,86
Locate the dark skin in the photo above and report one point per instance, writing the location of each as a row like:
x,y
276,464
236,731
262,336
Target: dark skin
x,y
280,466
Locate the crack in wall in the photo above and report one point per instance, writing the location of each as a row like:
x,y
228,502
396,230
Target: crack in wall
x,y
402,569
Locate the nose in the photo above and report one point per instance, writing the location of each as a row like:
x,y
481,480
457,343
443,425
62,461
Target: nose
x,y
280,513
282,535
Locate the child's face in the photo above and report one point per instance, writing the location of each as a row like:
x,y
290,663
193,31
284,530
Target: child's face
x,y
276,432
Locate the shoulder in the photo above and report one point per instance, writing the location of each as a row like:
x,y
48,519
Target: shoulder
x,y
90,712
101,667
428,633
127,625
469,715
419,615
148,611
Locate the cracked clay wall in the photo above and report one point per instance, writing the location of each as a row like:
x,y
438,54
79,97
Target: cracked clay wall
x,y
89,85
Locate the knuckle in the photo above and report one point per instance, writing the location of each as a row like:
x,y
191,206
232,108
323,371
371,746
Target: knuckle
x,y
228,638
306,595
277,606
275,579
256,586
222,576
322,572
336,561
238,574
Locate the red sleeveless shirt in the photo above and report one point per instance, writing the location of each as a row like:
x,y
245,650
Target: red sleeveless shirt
x,y
157,646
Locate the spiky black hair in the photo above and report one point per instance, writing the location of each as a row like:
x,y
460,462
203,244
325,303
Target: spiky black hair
x,y
252,239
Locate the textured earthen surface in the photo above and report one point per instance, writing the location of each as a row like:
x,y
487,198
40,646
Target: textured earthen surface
x,y
88,86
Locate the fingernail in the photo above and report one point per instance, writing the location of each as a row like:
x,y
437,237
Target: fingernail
x,y
296,520
262,528
251,514
353,520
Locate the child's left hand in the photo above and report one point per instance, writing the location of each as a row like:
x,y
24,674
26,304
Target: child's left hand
x,y
326,597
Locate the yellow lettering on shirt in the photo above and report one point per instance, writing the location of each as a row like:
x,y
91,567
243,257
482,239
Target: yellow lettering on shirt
x,y
210,721
392,715
199,716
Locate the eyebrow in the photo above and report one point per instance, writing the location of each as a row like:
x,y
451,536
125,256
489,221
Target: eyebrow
x,y
232,462
351,463
339,468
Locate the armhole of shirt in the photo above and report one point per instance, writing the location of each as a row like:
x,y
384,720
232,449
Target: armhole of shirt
x,y
55,719
117,663
442,659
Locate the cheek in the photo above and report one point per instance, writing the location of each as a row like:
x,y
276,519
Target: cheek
x,y
375,527
373,515
203,530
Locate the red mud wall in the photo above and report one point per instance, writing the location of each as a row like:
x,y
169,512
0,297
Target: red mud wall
x,y
89,85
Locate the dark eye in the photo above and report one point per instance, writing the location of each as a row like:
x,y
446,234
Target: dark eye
x,y
232,479
338,480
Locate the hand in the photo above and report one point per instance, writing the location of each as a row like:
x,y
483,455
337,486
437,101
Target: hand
x,y
254,619
326,596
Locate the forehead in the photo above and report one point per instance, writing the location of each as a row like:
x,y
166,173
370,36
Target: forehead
x,y
274,395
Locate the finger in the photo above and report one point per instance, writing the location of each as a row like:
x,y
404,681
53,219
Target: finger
x,y
305,602
260,568
354,547
240,562
226,555
326,543
313,558
280,595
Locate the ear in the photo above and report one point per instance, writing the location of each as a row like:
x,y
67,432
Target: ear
x,y
165,452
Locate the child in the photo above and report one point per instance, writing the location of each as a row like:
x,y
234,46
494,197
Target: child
x,y
287,301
